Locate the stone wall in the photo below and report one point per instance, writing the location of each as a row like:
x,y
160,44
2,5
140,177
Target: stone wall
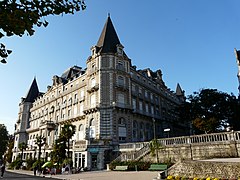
x,y
203,169
196,151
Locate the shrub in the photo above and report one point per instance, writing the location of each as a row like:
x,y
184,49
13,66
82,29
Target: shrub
x,y
16,164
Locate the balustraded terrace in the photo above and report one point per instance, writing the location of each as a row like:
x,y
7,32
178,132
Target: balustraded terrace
x,y
134,151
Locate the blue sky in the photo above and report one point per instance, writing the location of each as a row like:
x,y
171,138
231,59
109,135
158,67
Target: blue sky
x,y
192,42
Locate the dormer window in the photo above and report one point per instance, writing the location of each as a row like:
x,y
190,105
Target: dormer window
x,y
120,49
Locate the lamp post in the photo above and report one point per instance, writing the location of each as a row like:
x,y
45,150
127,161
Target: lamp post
x,y
154,128
167,130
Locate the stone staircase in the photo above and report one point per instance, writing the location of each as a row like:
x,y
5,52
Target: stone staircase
x,y
204,169
134,155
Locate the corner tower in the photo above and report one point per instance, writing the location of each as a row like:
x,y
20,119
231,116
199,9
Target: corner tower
x,y
22,123
109,70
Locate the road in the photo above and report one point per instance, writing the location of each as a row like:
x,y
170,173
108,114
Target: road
x,y
15,176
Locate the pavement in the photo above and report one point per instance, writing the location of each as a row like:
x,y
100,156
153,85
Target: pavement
x,y
100,175
116,175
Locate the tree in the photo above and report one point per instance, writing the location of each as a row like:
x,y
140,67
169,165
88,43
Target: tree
x,y
59,151
154,146
20,17
22,146
66,134
211,110
8,155
4,139
40,141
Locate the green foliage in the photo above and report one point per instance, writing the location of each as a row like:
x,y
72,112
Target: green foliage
x,y
20,17
8,155
68,130
22,146
154,146
30,162
4,139
40,141
16,164
211,111
38,164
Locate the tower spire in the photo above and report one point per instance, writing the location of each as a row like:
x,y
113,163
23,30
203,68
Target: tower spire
x,y
108,39
33,91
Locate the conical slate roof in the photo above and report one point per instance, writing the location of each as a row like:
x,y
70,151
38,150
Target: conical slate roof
x,y
33,92
108,39
179,91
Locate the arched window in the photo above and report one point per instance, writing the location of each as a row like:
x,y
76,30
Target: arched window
x,y
92,133
92,122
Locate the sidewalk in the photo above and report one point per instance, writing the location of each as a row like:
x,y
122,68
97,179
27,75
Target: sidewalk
x,y
100,175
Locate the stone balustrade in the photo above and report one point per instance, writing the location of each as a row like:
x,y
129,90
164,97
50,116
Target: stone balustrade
x,y
187,147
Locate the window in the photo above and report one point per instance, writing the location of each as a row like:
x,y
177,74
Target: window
x,y
92,128
122,121
140,91
81,132
120,98
140,105
122,130
146,108
134,103
152,110
81,109
93,82
82,93
141,131
120,81
146,94
135,130
93,100
133,87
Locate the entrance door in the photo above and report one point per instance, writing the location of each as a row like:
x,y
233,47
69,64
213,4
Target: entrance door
x,y
94,161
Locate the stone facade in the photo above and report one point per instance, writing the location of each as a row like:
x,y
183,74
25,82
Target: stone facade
x,y
110,102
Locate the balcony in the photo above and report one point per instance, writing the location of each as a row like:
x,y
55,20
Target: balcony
x,y
92,108
47,125
93,88
121,105
122,87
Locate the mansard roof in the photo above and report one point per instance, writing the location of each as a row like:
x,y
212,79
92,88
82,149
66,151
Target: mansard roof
x,y
108,39
33,92
71,72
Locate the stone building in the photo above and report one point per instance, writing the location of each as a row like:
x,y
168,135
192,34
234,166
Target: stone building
x,y
110,102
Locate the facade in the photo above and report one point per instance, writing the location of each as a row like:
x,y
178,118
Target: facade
x,y
110,102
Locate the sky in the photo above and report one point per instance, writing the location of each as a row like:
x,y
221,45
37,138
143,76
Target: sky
x,y
192,42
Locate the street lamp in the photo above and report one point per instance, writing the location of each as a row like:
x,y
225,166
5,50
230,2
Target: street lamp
x,y
154,128
167,130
